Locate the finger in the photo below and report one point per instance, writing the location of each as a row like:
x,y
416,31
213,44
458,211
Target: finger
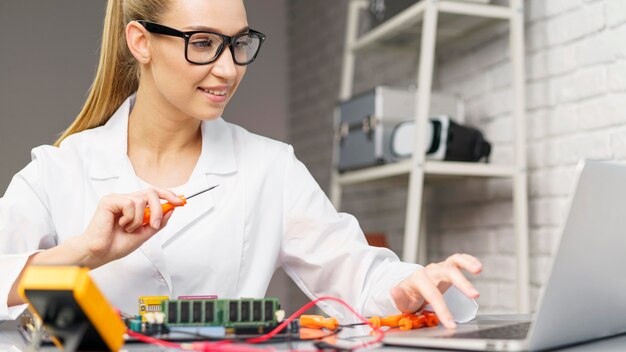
x,y
462,283
467,262
166,218
168,196
431,294
113,204
140,208
156,210
126,207
148,231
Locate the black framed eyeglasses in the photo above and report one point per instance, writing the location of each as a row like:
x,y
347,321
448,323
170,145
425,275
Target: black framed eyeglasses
x,y
203,47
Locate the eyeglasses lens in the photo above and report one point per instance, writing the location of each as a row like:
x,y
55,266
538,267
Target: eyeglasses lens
x,y
203,48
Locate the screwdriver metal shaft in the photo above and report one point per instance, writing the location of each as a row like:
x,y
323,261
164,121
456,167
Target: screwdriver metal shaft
x,y
169,206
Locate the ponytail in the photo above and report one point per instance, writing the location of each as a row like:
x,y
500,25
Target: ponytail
x,y
117,76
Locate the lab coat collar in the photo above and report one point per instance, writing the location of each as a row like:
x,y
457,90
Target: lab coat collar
x,y
109,154
112,169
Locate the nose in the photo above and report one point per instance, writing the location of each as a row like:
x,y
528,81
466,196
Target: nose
x,y
224,66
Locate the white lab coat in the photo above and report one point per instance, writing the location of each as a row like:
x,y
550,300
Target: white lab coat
x,y
266,213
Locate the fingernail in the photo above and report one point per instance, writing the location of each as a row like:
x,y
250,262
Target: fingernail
x,y
450,323
157,223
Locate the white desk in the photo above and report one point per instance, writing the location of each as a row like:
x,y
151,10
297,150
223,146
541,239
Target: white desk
x,y
11,341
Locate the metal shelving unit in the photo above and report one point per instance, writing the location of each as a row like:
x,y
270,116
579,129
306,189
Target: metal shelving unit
x,y
420,21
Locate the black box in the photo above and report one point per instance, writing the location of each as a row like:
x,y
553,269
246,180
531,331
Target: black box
x,y
382,10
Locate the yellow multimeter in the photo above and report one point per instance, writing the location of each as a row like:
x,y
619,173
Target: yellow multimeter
x,y
75,313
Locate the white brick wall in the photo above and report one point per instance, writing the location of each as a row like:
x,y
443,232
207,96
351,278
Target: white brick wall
x,y
616,12
576,108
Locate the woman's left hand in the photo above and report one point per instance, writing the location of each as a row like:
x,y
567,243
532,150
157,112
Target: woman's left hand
x,y
427,285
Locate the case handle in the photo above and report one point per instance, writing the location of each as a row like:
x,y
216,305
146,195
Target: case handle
x,y
367,125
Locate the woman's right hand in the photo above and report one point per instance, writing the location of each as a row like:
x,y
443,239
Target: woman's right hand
x,y
116,228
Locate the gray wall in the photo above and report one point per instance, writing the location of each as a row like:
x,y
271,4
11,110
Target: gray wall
x,y
260,104
48,60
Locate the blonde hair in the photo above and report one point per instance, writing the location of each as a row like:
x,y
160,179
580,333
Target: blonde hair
x,y
117,76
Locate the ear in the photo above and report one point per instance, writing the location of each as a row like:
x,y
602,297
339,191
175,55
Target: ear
x,y
137,41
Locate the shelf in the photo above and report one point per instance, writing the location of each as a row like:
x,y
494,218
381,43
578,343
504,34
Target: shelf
x,y
468,169
439,168
404,29
428,26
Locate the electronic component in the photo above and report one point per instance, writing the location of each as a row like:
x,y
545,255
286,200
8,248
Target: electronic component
x,y
135,323
76,315
199,297
150,304
252,315
181,319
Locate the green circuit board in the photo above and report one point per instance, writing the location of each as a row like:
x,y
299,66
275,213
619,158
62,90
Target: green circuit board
x,y
230,313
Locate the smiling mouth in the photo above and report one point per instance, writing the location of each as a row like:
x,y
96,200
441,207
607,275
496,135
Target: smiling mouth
x,y
215,92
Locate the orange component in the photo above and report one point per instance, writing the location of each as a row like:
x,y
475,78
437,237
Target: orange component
x,y
391,320
165,206
405,324
318,322
431,318
312,334
405,321
417,321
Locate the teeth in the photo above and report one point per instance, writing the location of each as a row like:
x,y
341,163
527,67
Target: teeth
x,y
215,92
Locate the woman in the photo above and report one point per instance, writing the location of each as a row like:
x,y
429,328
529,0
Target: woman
x,y
151,129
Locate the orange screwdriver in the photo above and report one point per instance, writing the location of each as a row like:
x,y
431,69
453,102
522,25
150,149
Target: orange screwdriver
x,y
318,322
169,206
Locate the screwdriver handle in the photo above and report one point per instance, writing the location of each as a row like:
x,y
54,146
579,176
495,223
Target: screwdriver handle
x,y
165,206
412,321
405,324
431,318
318,322
406,321
390,320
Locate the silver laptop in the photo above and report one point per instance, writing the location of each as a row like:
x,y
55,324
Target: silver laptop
x,y
584,297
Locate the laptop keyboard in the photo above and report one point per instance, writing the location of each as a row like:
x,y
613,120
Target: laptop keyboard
x,y
507,332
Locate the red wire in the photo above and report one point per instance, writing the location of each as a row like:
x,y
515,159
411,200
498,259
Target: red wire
x,y
221,346
306,307
152,340
201,346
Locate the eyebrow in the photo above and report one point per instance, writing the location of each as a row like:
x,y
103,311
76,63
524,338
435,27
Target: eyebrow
x,y
209,29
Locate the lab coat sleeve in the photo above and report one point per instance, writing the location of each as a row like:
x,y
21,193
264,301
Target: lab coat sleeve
x,y
25,228
326,254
